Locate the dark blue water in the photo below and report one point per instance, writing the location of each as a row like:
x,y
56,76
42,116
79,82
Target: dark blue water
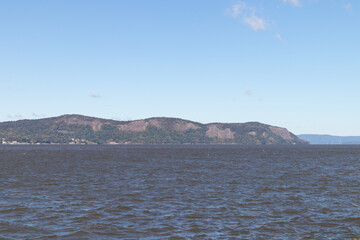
x,y
179,192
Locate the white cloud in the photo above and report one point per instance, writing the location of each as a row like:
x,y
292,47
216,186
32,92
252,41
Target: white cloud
x,y
295,3
237,9
95,95
255,22
278,37
247,15
348,7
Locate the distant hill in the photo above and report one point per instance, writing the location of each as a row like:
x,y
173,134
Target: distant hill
x,y
329,139
78,129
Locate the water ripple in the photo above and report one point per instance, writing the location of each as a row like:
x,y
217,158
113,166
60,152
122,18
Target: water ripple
x,y
179,192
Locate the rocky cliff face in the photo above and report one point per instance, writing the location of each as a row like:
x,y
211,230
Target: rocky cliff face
x,y
83,129
216,131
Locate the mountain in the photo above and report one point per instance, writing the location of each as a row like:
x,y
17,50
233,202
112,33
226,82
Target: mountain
x,y
329,139
78,129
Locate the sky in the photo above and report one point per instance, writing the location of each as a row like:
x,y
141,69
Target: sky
x,y
288,63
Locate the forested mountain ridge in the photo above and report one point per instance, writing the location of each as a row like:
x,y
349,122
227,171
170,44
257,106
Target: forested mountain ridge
x,y
78,129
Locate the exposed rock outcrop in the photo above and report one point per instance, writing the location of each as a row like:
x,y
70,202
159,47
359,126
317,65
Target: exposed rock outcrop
x,y
77,129
214,132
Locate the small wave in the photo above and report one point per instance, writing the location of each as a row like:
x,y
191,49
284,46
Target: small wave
x,y
16,209
352,219
196,230
77,235
193,216
291,211
119,208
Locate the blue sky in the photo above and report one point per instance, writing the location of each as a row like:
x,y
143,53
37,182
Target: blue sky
x,y
289,63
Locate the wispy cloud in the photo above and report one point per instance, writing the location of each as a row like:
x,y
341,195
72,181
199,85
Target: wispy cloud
x,y
255,96
255,22
295,3
247,15
237,9
249,91
95,95
348,7
16,116
278,37
37,115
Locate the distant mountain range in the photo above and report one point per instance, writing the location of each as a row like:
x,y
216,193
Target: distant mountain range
x,y
78,129
329,139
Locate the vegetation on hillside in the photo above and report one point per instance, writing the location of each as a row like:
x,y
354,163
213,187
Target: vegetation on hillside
x,y
76,129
